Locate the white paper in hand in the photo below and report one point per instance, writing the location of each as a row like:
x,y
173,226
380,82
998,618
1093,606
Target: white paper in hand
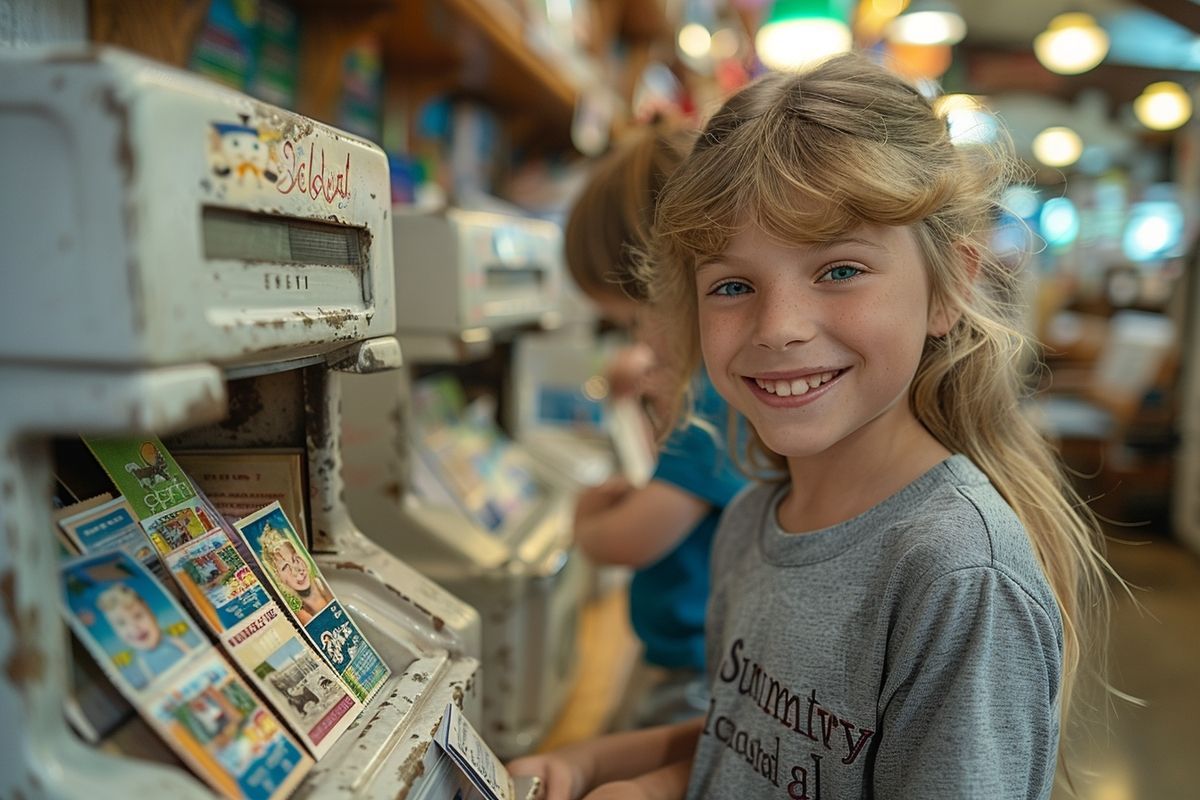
x,y
628,430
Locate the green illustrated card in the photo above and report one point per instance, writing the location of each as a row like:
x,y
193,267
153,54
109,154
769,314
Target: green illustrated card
x,y
143,472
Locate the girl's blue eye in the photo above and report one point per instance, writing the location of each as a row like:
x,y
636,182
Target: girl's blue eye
x,y
731,289
843,272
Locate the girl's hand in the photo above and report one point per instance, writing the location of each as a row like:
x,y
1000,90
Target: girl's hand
x,y
618,790
561,779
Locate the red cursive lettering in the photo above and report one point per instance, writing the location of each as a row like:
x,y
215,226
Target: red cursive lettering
x,y
316,183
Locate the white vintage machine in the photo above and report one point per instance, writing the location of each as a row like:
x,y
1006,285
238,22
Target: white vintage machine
x,y
523,575
471,272
184,260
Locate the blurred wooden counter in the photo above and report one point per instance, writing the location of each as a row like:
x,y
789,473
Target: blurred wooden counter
x,y
608,650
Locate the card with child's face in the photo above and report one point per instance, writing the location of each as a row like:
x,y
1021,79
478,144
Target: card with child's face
x,y
126,619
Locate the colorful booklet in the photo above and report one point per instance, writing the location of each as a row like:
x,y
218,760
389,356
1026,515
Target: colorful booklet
x,y
306,594
230,599
154,653
258,636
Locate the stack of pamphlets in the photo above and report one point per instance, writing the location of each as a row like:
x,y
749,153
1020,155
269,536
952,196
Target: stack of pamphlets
x,y
228,594
154,653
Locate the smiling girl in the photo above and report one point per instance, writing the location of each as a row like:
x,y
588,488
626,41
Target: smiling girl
x,y
899,606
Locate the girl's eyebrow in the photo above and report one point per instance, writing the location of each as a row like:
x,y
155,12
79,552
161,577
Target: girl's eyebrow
x,y
729,259
822,246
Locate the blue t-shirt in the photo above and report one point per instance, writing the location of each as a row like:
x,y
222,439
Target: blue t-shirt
x,y
667,599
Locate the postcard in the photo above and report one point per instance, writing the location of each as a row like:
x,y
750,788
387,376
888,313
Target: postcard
x,y
219,584
253,630
111,526
153,652
307,597
127,619
143,472
218,726
295,680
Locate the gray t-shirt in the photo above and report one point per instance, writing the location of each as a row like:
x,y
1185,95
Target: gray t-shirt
x,y
912,652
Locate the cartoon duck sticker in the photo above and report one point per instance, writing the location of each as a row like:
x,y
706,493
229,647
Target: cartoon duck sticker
x,y
240,150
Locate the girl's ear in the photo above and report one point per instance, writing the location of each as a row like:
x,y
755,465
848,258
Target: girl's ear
x,y
943,311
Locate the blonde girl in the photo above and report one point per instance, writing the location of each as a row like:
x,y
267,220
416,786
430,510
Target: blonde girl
x,y
898,609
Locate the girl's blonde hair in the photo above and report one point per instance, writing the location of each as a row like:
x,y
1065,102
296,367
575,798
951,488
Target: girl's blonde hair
x,y
813,156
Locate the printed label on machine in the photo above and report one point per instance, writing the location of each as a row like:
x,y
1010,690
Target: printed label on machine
x,y
306,594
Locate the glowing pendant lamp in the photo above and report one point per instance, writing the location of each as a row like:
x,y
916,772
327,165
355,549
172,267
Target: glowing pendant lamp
x,y
927,22
798,32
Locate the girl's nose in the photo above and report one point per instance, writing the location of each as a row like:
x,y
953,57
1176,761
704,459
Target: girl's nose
x,y
783,319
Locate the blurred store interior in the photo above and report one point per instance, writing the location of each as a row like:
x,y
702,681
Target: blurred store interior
x,y
496,109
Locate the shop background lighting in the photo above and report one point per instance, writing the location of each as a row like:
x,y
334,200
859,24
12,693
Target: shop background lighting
x,y
1163,106
1071,44
1057,147
798,32
927,22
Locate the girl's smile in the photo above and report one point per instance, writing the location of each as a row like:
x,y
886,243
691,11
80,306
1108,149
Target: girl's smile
x,y
817,345
788,390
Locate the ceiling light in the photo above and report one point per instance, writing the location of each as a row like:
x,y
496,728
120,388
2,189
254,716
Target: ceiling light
x,y
1057,147
1071,44
967,120
798,32
928,22
1163,106
695,40
1059,222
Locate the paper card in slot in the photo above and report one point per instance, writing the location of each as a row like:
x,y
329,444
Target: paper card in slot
x,y
631,441
154,653
226,734
143,472
463,744
304,690
306,595
176,527
111,526
217,581
239,482
127,619
259,638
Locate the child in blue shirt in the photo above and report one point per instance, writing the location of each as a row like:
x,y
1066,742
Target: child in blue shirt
x,y
664,529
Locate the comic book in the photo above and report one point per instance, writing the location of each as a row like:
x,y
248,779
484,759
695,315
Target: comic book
x,y
306,595
153,652
232,602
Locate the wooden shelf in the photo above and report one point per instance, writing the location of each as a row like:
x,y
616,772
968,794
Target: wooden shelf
x,y
479,48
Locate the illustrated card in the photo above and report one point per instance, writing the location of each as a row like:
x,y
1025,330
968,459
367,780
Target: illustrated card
x,y
127,620
305,593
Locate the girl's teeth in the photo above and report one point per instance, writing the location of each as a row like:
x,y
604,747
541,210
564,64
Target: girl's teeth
x,y
797,387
